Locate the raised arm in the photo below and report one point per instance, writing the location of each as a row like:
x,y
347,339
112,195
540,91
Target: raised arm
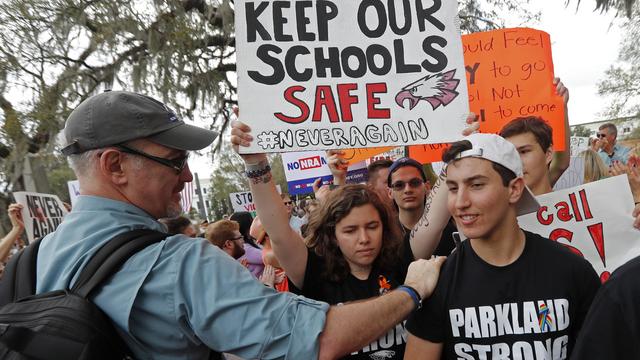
x,y
560,160
17,228
288,246
426,235
338,166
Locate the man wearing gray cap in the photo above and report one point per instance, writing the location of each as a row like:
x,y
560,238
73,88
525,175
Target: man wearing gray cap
x,y
504,293
178,298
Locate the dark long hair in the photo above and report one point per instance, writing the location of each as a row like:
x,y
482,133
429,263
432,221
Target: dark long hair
x,y
321,232
245,219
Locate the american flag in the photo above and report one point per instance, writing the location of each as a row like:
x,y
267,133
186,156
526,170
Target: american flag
x,y
187,197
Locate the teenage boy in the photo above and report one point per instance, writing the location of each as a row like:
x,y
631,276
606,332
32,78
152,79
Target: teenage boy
x,y
504,293
532,137
409,189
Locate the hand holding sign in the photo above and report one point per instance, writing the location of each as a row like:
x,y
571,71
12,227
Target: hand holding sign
x,y
339,75
15,215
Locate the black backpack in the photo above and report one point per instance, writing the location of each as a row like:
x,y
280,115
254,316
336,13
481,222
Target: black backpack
x,y
64,324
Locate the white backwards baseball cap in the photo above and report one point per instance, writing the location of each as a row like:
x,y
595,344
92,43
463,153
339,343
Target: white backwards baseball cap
x,y
496,149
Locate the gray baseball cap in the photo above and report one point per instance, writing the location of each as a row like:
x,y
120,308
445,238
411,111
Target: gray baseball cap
x,y
115,117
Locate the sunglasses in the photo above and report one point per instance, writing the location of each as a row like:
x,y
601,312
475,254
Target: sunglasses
x,y
600,136
288,202
413,183
177,164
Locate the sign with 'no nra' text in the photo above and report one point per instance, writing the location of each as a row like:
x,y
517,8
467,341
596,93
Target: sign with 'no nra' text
x,y
331,74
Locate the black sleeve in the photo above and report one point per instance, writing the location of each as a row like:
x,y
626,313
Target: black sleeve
x,y
429,322
589,285
605,333
312,279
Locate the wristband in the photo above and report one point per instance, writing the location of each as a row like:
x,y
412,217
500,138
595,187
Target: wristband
x,y
417,300
257,170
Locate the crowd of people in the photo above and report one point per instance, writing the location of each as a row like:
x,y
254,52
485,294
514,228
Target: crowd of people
x,y
361,271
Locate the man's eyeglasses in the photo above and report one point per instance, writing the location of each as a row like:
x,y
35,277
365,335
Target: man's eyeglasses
x,y
601,135
237,238
177,164
413,183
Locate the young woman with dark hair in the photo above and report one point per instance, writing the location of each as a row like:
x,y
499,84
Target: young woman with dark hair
x,y
353,249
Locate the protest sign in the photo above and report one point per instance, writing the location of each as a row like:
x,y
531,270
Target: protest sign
x,y
302,168
393,154
243,201
349,74
427,153
356,155
578,145
74,190
509,75
42,213
573,176
593,220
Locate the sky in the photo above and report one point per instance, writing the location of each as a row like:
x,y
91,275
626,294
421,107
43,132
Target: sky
x,y
584,45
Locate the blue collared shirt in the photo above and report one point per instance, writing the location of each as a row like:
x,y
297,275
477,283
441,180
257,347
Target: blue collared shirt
x,y
182,296
620,153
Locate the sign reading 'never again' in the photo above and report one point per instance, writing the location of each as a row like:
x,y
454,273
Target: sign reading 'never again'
x,y
349,74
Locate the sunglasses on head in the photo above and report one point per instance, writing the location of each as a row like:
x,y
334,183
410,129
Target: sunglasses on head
x,y
413,183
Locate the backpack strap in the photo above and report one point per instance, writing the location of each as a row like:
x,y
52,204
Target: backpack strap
x,y
19,278
108,259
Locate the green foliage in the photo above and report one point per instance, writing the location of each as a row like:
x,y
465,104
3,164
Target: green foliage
x,y
580,130
622,82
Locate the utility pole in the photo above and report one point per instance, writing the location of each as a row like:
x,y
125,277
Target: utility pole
x,y
201,209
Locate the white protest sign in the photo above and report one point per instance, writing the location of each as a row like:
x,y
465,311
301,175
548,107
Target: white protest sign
x,y
42,213
593,220
302,168
573,176
316,75
74,190
243,201
578,145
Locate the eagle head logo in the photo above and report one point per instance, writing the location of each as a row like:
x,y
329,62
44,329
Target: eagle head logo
x,y
438,89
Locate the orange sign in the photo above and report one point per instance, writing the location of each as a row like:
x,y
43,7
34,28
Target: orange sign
x,y
355,155
509,75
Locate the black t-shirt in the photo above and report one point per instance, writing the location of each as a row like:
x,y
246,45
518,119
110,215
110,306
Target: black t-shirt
x,y
446,244
530,309
391,345
612,327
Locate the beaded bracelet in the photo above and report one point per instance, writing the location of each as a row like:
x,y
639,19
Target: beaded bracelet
x,y
252,174
257,170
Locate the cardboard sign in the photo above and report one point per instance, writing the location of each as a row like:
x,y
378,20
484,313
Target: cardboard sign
x,y
393,154
42,213
243,201
427,153
578,145
355,155
302,168
593,220
74,190
573,176
349,74
509,75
